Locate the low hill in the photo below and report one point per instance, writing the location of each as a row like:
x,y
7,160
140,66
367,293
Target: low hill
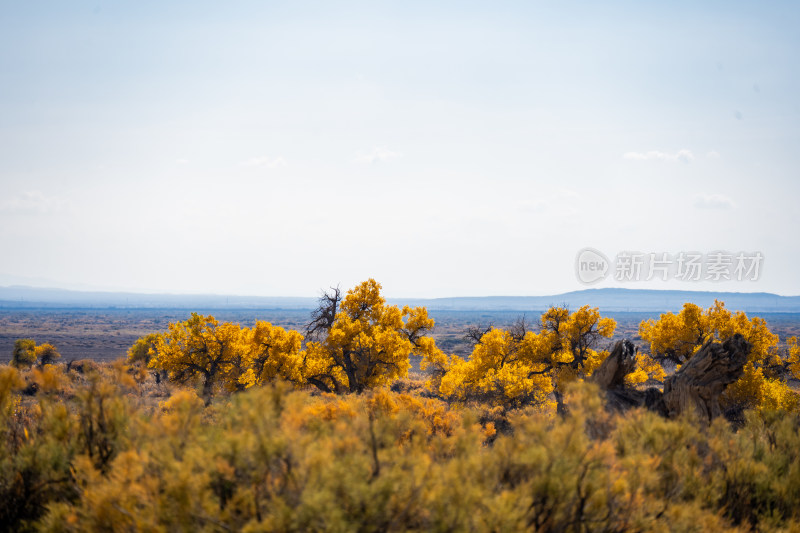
x,y
620,300
605,299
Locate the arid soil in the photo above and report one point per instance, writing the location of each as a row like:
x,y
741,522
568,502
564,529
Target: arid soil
x,y
106,334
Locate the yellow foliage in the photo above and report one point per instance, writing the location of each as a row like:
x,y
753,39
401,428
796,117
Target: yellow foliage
x,y
10,383
184,400
794,357
24,354
50,379
223,354
202,348
143,349
329,407
530,369
264,461
753,389
271,352
678,337
46,353
593,360
646,368
435,414
369,343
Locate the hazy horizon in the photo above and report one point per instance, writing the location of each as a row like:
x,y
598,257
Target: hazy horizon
x,y
315,294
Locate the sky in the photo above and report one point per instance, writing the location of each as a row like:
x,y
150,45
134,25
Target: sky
x,y
442,148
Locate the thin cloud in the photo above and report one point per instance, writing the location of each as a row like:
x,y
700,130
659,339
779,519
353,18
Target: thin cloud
x,y
379,153
264,162
714,201
713,154
32,202
685,156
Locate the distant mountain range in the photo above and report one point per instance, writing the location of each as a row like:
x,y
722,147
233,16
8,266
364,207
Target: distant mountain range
x,y
605,299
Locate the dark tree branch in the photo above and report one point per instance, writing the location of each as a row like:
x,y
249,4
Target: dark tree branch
x,y
323,317
476,333
519,328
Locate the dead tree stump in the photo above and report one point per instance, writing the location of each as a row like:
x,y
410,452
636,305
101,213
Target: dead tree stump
x,y
701,381
610,377
620,362
697,385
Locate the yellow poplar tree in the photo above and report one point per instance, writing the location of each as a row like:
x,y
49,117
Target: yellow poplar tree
x,y
201,348
500,367
368,343
24,353
678,337
142,350
527,367
46,354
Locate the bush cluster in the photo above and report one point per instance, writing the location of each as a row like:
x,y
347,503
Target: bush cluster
x,y
86,454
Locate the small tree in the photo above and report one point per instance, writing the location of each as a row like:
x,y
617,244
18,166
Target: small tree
x,y
24,353
47,354
222,353
139,355
143,349
519,366
201,348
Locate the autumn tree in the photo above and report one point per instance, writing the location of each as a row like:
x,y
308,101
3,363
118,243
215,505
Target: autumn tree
x,y
519,366
500,369
200,347
677,337
222,354
46,354
139,355
143,349
367,343
24,354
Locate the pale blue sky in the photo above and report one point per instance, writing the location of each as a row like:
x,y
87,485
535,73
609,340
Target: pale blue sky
x,y
461,148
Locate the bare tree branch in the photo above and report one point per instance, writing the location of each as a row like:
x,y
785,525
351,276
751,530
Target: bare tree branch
x,y
475,333
519,328
323,316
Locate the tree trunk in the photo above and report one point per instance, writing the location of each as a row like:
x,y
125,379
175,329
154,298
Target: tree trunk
x,y
701,381
620,363
208,389
697,385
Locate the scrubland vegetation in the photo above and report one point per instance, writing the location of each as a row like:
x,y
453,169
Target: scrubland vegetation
x,y
211,426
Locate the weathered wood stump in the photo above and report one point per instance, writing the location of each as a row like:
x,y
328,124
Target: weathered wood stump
x,y
610,377
620,363
697,385
701,381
